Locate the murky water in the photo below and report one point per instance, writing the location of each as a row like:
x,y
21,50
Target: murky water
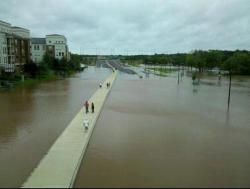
x,y
155,133
31,119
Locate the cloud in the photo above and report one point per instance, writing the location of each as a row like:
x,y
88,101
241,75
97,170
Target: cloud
x,y
141,26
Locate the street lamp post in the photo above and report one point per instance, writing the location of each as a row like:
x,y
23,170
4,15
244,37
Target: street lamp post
x,y
229,90
178,74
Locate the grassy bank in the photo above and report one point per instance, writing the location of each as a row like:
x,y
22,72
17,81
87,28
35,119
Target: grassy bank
x,y
35,81
163,70
135,63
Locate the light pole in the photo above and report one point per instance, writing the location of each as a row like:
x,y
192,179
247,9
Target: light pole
x,y
229,89
178,73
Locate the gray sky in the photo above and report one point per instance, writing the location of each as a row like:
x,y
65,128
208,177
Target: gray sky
x,y
135,26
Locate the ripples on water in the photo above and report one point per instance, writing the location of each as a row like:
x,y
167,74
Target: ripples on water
x,y
32,118
155,133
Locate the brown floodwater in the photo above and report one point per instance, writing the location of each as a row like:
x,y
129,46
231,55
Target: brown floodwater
x,y
155,133
32,118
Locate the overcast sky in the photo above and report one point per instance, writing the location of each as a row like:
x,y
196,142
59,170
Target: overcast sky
x,y
135,26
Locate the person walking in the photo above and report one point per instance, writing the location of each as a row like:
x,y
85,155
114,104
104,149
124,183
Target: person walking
x,y
92,107
87,106
86,123
100,85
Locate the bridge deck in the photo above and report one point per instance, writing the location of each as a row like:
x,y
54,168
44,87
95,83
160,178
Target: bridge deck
x,y
59,167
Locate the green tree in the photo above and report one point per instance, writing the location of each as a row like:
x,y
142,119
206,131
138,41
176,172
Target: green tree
x,y
239,63
31,69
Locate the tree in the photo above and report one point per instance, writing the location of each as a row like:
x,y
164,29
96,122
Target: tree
x,y
234,63
190,61
31,69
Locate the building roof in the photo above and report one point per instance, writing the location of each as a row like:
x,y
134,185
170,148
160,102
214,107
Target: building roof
x,y
38,41
5,23
54,35
57,35
15,27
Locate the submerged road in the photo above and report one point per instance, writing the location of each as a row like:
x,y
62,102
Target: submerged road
x,y
116,63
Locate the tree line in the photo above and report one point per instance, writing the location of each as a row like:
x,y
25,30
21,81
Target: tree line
x,y
52,65
237,62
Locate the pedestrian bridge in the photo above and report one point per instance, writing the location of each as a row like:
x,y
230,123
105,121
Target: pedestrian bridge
x,y
60,165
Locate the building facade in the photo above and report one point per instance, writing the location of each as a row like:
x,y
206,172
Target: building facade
x,y
37,49
17,49
20,46
55,45
4,31
14,46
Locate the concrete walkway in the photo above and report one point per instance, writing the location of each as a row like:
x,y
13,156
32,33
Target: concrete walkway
x,y
60,166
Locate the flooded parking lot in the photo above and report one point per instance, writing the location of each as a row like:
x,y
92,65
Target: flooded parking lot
x,y
155,133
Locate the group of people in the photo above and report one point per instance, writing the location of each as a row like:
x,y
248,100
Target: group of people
x,y
86,121
108,85
86,104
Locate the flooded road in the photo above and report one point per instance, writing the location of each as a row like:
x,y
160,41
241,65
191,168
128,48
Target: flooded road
x,y
31,119
155,133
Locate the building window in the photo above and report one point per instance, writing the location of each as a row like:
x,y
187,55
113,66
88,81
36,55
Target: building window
x,y
49,41
34,47
37,47
59,53
62,53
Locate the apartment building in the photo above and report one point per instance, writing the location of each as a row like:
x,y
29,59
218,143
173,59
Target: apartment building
x,y
55,45
4,30
20,45
14,46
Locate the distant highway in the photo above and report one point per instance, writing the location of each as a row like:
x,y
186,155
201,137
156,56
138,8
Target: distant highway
x,y
116,64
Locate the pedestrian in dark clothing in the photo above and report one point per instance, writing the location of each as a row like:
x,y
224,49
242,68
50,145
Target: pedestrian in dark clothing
x,y
86,106
92,107
108,84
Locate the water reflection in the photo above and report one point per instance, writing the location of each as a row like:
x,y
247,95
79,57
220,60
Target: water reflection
x,y
155,133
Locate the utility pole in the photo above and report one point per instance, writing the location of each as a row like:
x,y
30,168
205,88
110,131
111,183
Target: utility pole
x,y
229,90
96,53
178,74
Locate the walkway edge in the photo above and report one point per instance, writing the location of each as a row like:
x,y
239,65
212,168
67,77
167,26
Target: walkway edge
x,y
85,147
